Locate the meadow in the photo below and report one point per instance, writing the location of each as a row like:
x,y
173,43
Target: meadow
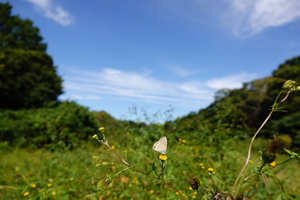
x,y
28,173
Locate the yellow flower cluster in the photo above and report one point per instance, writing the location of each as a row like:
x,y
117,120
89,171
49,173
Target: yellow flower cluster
x,y
163,157
181,140
202,166
135,180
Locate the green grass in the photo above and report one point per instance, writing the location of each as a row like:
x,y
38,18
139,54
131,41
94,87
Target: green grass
x,y
75,174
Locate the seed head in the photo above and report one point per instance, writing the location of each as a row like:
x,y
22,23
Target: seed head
x,y
195,183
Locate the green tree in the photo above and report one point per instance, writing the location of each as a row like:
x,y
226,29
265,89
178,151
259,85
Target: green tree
x,y
28,80
17,33
28,77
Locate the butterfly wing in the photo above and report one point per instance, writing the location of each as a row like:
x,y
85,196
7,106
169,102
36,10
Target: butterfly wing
x,y
161,145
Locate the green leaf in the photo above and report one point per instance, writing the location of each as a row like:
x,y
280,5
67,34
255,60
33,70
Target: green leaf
x,y
279,197
154,169
288,151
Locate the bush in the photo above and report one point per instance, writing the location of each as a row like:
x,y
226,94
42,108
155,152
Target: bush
x,y
61,127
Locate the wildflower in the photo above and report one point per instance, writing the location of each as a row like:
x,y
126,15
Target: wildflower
x,y
26,194
113,146
163,157
201,164
71,179
151,191
194,197
95,137
108,193
195,183
49,185
33,185
128,133
273,164
203,167
94,157
53,193
210,169
183,141
104,183
177,193
179,139
101,129
190,188
195,193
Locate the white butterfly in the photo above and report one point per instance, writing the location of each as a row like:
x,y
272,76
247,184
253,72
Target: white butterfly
x,y
161,145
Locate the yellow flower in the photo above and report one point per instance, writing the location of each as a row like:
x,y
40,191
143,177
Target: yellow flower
x,y
128,133
101,129
194,197
151,191
201,164
113,146
33,185
210,169
53,193
94,157
108,193
273,164
179,139
183,141
203,167
26,194
195,193
177,193
190,188
49,185
163,157
71,179
95,137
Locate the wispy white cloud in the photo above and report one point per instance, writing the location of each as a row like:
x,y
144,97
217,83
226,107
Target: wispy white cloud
x,y
181,72
231,82
140,86
253,16
51,11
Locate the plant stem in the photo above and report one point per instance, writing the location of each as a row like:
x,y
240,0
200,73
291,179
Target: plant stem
x,y
250,146
274,108
266,185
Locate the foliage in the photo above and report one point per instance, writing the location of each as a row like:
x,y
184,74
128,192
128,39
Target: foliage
x,y
54,128
17,33
28,77
28,80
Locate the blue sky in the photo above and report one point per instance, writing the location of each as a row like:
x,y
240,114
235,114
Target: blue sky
x,y
113,55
